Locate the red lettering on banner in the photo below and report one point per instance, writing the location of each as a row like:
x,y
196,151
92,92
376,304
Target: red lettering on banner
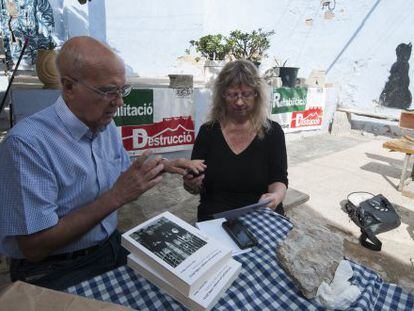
x,y
305,118
169,132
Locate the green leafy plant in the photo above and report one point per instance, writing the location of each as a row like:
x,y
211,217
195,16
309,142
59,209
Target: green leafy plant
x,y
213,47
250,46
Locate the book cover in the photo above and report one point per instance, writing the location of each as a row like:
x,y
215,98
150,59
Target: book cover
x,y
179,252
205,296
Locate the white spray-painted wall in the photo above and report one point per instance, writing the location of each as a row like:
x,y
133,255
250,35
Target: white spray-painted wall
x,y
356,46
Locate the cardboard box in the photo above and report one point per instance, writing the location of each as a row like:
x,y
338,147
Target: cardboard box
x,y
23,296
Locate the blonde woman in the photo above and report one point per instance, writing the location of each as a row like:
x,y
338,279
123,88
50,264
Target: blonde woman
x,y
244,151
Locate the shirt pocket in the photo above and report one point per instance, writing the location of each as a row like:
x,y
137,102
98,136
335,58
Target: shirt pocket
x,y
113,170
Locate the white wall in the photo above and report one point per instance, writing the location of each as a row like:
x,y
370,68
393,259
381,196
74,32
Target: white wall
x,y
151,34
357,45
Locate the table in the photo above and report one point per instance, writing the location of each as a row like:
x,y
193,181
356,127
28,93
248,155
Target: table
x,y
261,285
406,146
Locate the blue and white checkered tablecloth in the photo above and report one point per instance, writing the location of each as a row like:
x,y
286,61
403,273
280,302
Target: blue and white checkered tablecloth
x,y
261,285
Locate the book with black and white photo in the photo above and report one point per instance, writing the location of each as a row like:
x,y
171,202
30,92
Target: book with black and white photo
x,y
180,253
202,298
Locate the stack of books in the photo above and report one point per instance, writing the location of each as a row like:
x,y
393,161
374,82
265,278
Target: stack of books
x,y
192,267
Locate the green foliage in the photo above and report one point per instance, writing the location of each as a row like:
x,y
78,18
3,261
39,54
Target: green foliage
x,y
240,45
212,47
250,46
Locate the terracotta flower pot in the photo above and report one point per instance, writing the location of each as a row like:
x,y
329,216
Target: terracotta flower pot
x,y
46,69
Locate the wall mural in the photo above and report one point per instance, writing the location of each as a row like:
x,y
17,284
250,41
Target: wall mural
x,y
32,19
396,93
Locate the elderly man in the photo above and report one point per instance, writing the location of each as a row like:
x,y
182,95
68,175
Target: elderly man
x,y
64,173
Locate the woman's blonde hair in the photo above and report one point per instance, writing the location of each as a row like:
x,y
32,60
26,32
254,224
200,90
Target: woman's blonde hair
x,y
234,74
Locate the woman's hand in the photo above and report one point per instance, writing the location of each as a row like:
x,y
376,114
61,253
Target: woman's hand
x,y
276,193
184,166
274,200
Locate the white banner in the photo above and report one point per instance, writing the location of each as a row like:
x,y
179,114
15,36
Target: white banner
x,y
160,119
298,109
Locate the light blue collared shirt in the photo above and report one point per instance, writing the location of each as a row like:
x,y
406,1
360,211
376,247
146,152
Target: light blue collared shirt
x,y
50,165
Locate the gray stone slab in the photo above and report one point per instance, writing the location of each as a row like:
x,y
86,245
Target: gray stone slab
x,y
310,255
294,198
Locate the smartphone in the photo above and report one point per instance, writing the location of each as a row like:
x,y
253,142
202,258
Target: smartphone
x,y
239,233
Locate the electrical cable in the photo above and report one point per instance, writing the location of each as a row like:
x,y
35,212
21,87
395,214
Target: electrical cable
x,y
293,29
358,192
307,36
284,12
393,24
372,215
390,28
367,237
353,36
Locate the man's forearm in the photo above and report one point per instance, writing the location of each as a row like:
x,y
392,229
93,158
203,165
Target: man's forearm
x,y
131,184
69,228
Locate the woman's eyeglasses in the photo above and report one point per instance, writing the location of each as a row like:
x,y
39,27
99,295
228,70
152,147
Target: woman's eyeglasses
x,y
232,96
110,93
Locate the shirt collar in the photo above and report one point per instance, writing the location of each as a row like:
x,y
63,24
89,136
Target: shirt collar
x,y
75,126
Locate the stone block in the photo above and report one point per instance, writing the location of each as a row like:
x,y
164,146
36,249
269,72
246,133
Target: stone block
x,y
341,123
309,255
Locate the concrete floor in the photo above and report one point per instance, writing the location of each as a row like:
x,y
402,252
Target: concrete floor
x,y
335,166
327,168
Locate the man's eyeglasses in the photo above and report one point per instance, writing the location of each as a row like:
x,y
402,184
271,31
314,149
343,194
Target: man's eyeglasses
x,y
110,93
232,96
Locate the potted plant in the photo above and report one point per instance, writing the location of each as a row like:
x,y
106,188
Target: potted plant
x,y
250,46
212,47
215,50
288,74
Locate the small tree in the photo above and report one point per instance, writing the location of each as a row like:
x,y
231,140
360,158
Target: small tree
x,y
213,47
250,46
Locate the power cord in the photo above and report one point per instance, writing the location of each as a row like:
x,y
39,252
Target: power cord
x,y
354,193
367,238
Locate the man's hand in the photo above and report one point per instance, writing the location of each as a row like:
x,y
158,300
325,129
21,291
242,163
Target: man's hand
x,y
184,166
143,174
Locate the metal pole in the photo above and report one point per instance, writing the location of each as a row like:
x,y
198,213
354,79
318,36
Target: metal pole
x,y
26,41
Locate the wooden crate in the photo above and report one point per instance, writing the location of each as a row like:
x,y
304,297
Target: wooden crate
x,y
407,120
